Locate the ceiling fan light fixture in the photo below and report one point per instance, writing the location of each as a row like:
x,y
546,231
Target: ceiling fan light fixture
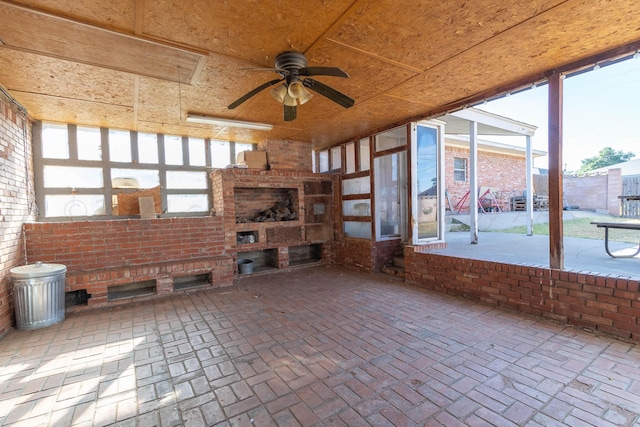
x,y
278,93
296,89
290,101
306,96
216,121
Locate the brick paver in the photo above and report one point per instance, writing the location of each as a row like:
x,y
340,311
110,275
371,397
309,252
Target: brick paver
x,y
313,347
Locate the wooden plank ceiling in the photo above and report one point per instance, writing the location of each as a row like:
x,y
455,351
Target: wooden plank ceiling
x,y
143,65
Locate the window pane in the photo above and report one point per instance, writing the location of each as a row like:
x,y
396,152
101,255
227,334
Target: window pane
x,y
89,145
360,230
196,152
187,203
356,207
459,169
350,157
148,148
173,150
324,161
119,146
74,205
134,178
186,180
364,154
336,158
391,139
72,177
220,154
356,186
55,141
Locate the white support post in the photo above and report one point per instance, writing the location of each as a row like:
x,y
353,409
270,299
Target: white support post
x,y
473,181
529,185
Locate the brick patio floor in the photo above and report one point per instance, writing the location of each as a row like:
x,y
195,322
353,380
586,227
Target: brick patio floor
x,y
318,346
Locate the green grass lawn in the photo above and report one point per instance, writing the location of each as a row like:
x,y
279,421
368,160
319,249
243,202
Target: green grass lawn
x,y
582,228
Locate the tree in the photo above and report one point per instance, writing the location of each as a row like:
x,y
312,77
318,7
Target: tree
x,y
606,157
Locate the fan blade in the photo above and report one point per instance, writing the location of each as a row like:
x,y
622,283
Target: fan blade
x,y
290,113
331,93
323,71
259,69
253,92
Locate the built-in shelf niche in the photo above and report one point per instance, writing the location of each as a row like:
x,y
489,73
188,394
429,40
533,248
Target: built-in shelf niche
x,y
263,260
131,290
247,237
305,254
182,283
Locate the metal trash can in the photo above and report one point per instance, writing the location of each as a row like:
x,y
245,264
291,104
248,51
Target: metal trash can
x,y
38,294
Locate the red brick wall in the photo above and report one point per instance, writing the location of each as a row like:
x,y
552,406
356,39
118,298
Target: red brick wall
x,y
103,253
16,193
506,175
354,253
607,304
283,154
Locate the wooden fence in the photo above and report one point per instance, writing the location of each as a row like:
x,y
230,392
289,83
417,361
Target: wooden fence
x,y
630,197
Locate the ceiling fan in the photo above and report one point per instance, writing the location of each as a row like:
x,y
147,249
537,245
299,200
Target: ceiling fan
x,y
292,67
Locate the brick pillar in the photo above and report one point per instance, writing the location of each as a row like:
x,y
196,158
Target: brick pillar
x,y
614,189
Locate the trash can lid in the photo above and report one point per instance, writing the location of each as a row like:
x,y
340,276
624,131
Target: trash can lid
x,y
37,269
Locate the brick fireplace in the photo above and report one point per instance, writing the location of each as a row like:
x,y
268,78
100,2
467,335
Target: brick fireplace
x,y
240,195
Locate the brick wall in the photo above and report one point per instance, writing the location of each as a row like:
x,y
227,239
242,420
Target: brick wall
x,y
16,184
354,253
99,254
366,254
283,154
588,192
602,303
506,175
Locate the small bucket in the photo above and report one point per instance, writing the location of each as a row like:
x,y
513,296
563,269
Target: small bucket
x,y
245,266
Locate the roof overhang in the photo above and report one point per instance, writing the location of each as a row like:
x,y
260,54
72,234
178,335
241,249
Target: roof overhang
x,y
462,141
459,123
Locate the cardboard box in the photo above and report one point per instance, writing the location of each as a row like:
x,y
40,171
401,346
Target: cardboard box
x,y
254,165
252,157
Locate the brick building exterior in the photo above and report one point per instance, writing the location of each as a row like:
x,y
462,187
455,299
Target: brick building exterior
x,y
501,167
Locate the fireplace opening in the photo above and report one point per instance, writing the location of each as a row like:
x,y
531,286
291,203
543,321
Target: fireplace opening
x,y
266,204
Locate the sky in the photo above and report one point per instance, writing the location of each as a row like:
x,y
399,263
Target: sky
x,y
601,109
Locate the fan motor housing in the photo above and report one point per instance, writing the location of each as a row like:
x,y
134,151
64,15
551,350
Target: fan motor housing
x,y
290,60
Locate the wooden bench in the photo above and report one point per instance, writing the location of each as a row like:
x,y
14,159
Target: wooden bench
x,y
619,226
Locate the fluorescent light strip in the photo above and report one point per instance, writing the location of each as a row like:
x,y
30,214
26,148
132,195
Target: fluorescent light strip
x,y
193,118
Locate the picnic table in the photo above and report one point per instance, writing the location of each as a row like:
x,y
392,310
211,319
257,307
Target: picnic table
x,y
619,226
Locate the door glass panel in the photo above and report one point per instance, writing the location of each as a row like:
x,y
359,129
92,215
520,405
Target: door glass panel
x,y
427,183
391,197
